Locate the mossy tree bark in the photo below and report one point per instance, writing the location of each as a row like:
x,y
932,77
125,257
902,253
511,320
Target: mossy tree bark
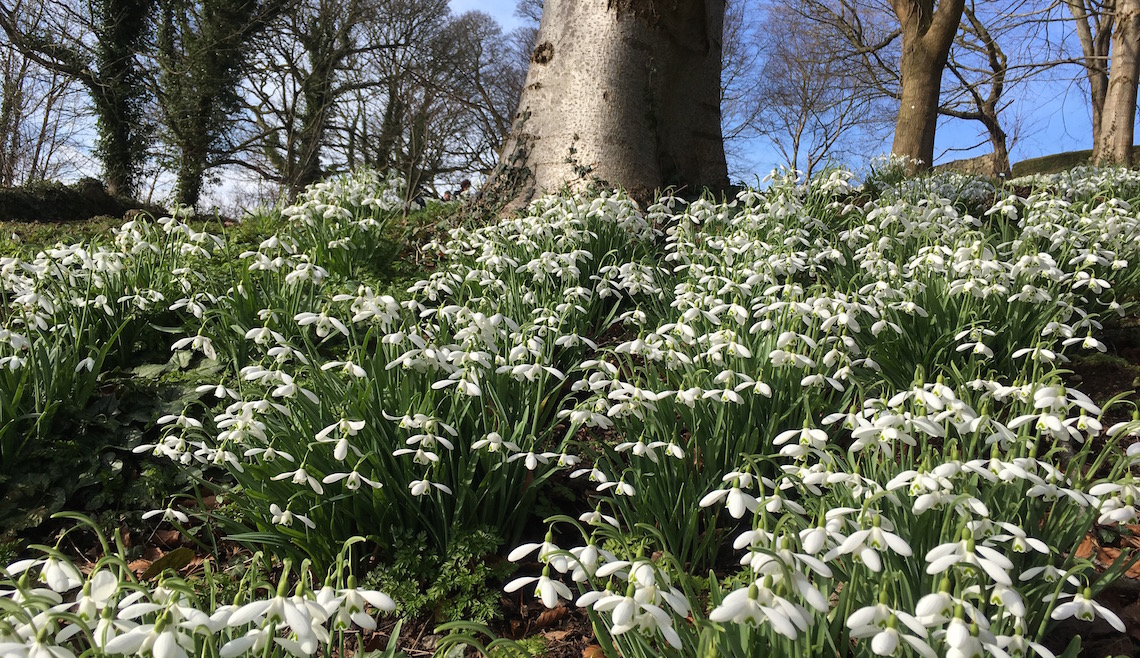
x,y
622,91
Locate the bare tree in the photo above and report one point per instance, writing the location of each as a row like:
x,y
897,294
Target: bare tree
x,y
810,101
975,41
928,28
1113,143
1093,23
96,43
41,119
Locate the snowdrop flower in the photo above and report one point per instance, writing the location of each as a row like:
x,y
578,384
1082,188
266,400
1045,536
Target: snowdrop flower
x,y
866,544
547,589
532,460
423,487
736,501
35,646
169,514
161,640
353,480
219,390
881,623
60,575
620,488
642,449
354,603
493,442
628,613
347,367
197,342
757,604
808,439
963,640
286,517
966,551
301,477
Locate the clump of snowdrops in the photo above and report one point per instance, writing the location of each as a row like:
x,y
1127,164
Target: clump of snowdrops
x,y
867,405
73,312
49,607
362,414
863,404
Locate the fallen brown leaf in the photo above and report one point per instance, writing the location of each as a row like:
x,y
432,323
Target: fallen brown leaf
x,y
139,566
1109,555
168,538
593,651
555,636
1087,548
550,617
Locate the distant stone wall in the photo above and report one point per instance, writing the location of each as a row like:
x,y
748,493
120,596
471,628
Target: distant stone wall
x,y
54,202
983,165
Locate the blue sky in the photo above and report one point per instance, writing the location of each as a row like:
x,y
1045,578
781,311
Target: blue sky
x,y
502,10
1053,117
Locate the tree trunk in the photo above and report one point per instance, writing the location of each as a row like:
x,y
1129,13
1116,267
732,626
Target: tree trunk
x,y
621,91
926,37
118,91
1093,24
1118,121
1002,167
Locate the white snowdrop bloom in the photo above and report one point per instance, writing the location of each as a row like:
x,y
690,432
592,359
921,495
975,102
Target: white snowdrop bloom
x,y
286,517
597,518
324,323
642,449
1018,645
1039,354
344,427
289,388
547,590
423,487
1082,606
756,605
419,455
352,480
1117,510
353,607
735,500
219,391
33,646
493,442
301,477
881,623
866,544
967,551
963,640
197,342
347,367
180,420
168,514
621,488
807,438
1088,343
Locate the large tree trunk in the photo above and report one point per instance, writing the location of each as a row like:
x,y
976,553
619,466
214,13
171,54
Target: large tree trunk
x,y
1093,23
1117,124
621,91
926,37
